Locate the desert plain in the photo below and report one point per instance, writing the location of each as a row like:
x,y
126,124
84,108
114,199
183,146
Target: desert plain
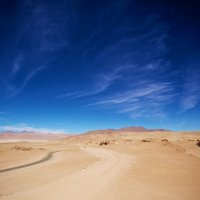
x,y
110,164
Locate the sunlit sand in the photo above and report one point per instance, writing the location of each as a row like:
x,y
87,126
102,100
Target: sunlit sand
x,y
125,165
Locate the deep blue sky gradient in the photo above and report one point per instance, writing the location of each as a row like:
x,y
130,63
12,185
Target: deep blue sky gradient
x,y
73,65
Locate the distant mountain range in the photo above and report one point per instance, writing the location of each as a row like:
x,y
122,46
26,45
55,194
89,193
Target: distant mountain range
x,y
30,136
51,136
126,129
139,129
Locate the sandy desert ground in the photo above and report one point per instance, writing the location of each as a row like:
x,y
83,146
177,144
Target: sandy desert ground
x,y
140,166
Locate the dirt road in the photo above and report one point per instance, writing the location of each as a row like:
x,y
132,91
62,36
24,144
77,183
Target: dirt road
x,y
92,182
49,156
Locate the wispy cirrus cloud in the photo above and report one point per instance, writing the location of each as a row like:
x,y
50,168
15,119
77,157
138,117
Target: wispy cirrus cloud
x,y
13,90
124,46
39,36
191,87
147,100
141,90
145,91
102,82
17,65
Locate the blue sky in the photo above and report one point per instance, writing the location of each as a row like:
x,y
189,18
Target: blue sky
x,y
73,65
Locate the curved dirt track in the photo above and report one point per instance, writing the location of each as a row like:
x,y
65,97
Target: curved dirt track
x,y
46,158
92,182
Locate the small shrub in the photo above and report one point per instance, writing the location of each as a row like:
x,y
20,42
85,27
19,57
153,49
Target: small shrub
x,y
104,143
145,140
165,140
22,148
198,144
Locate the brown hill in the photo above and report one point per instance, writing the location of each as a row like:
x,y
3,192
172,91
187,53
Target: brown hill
x,y
104,131
138,129
125,129
131,134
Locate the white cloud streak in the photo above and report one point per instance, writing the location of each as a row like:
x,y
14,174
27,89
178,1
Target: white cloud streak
x,y
17,65
102,83
191,89
142,50
148,100
13,90
133,95
143,89
46,35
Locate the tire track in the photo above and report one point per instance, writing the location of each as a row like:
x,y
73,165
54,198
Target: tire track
x,y
48,157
